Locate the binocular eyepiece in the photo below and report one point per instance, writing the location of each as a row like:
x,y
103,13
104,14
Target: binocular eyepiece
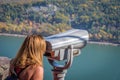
x,y
49,50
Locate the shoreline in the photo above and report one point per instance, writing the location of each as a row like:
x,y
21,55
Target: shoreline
x,y
103,43
14,35
90,42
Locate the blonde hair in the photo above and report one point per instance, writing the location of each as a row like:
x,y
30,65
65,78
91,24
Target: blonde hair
x,y
31,51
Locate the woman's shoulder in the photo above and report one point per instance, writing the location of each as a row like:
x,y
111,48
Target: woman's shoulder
x,y
35,67
38,73
38,68
31,71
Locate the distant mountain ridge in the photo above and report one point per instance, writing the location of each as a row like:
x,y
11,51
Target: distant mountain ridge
x,y
100,17
18,1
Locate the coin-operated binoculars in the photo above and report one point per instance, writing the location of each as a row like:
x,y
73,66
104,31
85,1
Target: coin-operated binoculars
x,y
64,47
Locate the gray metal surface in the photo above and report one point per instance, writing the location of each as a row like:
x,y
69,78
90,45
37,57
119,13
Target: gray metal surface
x,y
75,37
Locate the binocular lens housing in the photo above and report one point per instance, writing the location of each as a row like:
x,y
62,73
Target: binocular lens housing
x,y
76,37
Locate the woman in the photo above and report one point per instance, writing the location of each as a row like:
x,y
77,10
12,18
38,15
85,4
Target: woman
x,y
28,63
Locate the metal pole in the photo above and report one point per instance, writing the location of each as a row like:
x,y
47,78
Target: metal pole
x,y
59,71
59,74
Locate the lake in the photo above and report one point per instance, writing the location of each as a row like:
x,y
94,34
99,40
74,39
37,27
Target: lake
x,y
96,62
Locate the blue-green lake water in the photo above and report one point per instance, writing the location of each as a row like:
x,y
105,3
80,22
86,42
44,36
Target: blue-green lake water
x,y
96,62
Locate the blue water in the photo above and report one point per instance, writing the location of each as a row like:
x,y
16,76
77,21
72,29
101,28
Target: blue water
x,y
97,62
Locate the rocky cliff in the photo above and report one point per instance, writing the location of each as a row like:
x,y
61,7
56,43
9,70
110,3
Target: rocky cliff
x,y
4,67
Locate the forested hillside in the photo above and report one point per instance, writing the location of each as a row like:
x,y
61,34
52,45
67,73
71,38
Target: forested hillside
x,y
101,18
